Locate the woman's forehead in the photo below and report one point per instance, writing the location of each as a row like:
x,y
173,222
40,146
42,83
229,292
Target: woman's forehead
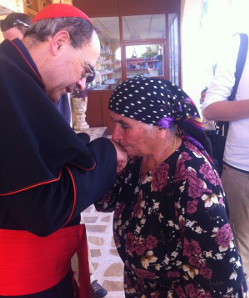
x,y
128,121
120,118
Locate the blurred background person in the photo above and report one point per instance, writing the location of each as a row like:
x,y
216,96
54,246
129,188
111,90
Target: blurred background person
x,y
15,25
235,169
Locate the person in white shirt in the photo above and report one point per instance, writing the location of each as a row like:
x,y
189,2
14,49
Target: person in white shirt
x,y
235,173
209,125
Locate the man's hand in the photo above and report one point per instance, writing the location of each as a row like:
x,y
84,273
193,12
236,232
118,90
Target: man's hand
x,y
122,156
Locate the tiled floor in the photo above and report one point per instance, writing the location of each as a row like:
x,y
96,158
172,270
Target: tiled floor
x,y
104,257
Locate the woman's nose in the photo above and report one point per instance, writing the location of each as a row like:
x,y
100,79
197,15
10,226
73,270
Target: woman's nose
x,y
116,135
81,84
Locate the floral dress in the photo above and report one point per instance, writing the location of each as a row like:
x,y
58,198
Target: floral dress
x,y
171,229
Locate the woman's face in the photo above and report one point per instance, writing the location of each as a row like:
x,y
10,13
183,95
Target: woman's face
x,y
136,138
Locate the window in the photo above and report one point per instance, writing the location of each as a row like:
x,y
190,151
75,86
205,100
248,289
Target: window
x,y
144,59
108,68
141,48
173,49
139,27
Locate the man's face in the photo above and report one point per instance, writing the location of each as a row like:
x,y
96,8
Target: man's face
x,y
12,33
71,68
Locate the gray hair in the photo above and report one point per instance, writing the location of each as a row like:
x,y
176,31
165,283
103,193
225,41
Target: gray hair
x,y
79,29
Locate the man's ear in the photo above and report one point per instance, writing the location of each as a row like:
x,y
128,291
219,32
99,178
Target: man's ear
x,y
60,39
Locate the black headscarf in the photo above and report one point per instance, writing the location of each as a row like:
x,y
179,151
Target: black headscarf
x,y
158,102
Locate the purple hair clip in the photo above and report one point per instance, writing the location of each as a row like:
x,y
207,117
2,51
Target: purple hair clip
x,y
166,122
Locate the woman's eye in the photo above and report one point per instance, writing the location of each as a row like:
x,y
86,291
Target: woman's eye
x,y
124,126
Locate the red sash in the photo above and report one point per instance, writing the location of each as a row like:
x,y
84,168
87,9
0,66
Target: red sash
x,y
31,264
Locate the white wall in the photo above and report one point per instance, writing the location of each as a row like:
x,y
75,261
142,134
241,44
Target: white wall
x,y
192,80
11,4
202,45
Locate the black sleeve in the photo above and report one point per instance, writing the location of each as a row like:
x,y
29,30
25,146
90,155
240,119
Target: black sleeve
x,y
46,208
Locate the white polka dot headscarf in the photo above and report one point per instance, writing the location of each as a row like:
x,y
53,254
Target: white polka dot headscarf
x,y
158,102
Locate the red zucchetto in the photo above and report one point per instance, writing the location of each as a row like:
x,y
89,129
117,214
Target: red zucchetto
x,y
60,10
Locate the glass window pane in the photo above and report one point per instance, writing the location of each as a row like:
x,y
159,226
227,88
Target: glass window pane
x,y
144,59
144,27
173,49
108,67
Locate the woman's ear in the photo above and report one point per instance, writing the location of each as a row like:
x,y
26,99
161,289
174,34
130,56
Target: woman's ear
x,y
161,132
60,39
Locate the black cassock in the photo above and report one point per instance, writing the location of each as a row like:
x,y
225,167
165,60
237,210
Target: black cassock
x,y
40,156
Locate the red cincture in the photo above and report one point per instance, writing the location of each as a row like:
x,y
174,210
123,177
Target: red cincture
x,y
31,264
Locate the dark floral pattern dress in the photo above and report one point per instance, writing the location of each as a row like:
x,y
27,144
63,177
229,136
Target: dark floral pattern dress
x,y
171,229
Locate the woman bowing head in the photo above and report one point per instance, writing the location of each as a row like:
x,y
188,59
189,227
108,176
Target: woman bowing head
x,y
170,224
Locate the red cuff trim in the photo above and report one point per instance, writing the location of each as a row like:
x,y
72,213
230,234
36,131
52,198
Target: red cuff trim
x,y
29,187
74,197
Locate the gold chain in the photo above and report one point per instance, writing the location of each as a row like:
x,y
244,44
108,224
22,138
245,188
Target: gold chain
x,y
174,147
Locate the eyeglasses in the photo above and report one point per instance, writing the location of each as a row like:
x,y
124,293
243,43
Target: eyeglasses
x,y
17,21
89,74
7,24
